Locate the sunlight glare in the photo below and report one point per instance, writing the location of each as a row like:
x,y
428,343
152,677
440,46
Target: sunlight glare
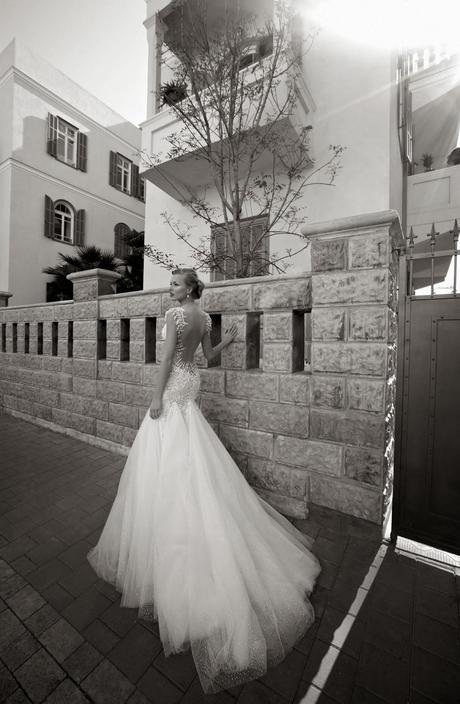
x,y
390,24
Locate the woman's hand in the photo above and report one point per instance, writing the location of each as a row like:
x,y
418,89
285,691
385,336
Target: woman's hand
x,y
155,408
229,334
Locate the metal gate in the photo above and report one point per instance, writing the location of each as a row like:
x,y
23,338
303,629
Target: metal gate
x,y
426,505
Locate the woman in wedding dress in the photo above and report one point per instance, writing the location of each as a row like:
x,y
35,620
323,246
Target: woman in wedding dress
x,y
188,541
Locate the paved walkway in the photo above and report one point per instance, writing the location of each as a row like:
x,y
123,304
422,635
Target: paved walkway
x,y
387,626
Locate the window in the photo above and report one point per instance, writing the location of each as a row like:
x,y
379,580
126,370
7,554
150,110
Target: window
x,y
66,142
255,244
63,222
124,175
120,247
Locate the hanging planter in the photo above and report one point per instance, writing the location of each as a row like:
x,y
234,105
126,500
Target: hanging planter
x,y
172,93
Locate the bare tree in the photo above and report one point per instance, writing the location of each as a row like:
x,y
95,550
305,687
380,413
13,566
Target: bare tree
x,y
234,90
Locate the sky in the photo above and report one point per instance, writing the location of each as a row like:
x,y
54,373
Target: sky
x,y
99,44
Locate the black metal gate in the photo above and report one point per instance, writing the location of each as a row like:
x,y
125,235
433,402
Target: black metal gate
x,y
426,505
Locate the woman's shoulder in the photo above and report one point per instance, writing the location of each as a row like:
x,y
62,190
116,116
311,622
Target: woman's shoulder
x,y
208,321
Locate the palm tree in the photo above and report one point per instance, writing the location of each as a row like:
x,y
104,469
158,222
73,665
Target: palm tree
x,y
91,257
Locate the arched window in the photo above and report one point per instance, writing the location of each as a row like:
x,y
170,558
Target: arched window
x,y
64,221
120,246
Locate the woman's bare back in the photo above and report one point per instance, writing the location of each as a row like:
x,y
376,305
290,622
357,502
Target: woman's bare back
x,y
195,326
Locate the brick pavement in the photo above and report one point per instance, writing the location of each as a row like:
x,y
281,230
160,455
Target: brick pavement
x,y
386,630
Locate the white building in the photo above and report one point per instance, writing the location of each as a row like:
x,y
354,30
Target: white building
x,y
348,94
68,172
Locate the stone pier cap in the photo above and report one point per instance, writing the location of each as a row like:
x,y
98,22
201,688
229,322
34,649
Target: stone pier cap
x,y
364,221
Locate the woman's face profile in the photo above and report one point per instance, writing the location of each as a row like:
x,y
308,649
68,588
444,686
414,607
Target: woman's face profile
x,y
177,287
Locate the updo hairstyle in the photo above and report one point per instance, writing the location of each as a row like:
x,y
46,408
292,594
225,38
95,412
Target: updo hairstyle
x,y
191,280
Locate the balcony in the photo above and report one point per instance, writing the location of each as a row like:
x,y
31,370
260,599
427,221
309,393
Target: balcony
x,y
176,176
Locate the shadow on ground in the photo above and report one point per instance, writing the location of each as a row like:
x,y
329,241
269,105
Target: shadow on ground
x,y
386,629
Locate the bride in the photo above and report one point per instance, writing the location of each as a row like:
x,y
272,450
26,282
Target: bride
x,y
188,541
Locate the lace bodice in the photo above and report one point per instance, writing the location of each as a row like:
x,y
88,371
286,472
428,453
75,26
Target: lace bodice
x,y
184,381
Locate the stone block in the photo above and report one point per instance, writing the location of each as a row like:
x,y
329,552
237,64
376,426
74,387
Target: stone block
x,y
84,349
122,414
327,255
347,498
85,329
367,359
369,250
348,427
213,381
328,323
85,311
161,322
113,307
52,364
137,351
104,369
227,410
295,388
370,286
63,382
367,394
290,293
364,465
250,442
95,408
328,391
11,402
287,505
72,403
234,356
227,298
279,418
49,397
310,454
112,350
138,395
113,329
63,311
277,326
85,290
126,371
110,431
239,320
84,387
85,367
369,323
159,351
110,391
272,476
150,374
83,424
146,304
46,347
252,385
137,329
277,356
129,436
42,411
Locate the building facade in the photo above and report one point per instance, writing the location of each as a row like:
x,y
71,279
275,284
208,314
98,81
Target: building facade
x,y
347,94
69,173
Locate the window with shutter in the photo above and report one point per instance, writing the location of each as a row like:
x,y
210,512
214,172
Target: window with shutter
x,y
82,151
51,143
80,228
255,245
120,246
113,169
64,222
49,217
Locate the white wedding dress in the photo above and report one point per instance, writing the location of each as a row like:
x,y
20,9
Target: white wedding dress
x,y
191,544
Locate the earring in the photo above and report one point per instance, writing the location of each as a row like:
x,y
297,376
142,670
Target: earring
x,y
188,294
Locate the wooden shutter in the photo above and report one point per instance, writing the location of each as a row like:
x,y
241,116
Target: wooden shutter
x,y
135,180
79,238
51,144
219,250
113,169
49,217
82,151
260,251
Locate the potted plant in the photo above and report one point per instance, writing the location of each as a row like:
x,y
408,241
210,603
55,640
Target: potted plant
x,y
172,93
427,161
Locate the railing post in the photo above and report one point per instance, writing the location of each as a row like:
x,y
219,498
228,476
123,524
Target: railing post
x,y
4,296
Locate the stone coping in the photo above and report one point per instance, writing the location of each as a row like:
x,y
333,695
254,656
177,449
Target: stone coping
x,y
48,304
352,222
93,273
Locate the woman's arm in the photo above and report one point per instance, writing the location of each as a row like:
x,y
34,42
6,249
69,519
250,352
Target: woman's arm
x,y
209,351
165,367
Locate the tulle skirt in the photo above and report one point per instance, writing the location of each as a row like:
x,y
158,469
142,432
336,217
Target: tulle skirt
x,y
190,544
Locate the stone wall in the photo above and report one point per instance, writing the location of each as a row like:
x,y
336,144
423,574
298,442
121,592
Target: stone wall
x,y
303,398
